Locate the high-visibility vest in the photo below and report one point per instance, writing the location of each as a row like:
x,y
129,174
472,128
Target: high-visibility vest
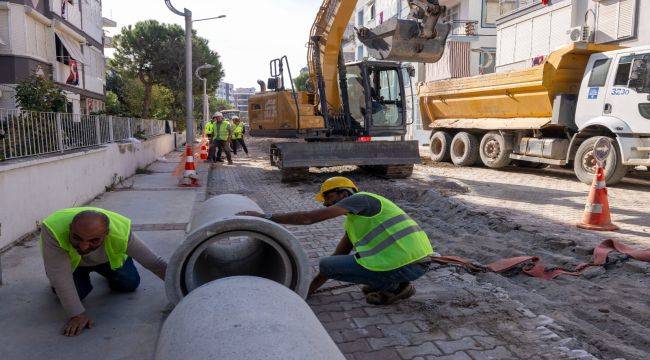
x,y
222,130
388,240
115,243
238,131
209,128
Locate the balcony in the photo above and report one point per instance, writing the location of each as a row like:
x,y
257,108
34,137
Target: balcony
x,y
464,30
63,73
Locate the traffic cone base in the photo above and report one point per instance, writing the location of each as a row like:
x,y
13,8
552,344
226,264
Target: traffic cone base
x,y
597,216
190,178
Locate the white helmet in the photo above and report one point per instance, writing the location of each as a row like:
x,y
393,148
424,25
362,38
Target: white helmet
x,y
217,114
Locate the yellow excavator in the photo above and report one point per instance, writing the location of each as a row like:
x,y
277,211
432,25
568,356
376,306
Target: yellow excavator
x,y
348,105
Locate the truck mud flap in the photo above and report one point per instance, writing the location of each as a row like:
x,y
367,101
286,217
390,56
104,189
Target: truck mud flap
x,y
340,153
398,40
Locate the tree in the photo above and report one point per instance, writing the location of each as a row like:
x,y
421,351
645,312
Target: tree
x,y
142,51
302,82
220,105
39,94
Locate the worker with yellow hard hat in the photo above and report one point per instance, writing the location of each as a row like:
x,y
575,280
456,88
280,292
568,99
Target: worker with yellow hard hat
x,y
390,248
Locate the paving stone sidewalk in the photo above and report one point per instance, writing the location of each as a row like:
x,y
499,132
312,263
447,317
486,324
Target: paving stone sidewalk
x,y
453,316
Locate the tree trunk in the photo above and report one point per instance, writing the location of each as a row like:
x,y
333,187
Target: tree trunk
x,y
146,101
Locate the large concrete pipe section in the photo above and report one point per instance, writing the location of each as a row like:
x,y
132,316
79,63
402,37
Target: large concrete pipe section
x,y
223,244
244,318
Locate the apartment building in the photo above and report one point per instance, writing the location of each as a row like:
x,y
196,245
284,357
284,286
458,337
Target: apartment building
x,y
529,30
60,39
226,92
241,96
471,49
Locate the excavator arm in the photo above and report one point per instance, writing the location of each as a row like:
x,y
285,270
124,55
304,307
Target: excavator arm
x,y
420,38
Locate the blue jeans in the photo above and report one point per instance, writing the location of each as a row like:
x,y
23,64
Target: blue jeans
x,y
345,268
124,279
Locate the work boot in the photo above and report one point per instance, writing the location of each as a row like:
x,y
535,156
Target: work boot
x,y
219,160
230,163
405,291
366,289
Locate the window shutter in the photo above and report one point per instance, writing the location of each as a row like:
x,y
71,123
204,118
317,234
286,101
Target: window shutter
x,y
626,18
523,40
616,20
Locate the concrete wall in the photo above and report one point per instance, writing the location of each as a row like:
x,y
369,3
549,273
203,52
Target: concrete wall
x,y
32,189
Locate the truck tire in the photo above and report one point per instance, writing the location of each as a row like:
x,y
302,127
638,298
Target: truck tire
x,y
495,150
440,145
464,149
584,164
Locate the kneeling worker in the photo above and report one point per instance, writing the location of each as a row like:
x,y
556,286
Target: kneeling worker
x,y
78,241
391,249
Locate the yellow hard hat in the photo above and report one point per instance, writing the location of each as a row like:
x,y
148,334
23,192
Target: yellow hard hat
x,y
337,182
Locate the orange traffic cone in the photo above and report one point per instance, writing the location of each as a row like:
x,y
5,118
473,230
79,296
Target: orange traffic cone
x,y
597,216
204,149
190,178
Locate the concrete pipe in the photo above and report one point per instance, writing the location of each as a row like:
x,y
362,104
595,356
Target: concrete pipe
x,y
244,318
222,244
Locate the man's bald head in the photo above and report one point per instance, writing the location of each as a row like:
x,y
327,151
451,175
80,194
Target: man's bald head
x,y
88,230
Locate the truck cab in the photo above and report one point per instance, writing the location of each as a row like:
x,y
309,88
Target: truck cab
x,y
614,101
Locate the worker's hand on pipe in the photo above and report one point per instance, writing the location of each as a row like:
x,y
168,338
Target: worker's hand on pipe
x,y
318,281
251,213
77,324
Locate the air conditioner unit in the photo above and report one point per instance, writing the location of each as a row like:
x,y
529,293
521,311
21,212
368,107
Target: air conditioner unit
x,y
580,33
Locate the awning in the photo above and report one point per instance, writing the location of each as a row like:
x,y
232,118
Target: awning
x,y
73,47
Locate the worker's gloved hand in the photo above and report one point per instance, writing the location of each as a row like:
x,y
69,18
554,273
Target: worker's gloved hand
x,y
251,213
77,324
318,281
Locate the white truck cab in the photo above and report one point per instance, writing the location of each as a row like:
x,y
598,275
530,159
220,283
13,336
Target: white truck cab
x,y
614,100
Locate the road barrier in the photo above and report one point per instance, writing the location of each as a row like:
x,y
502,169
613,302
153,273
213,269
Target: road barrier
x,y
31,133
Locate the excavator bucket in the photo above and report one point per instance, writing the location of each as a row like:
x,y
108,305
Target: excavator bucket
x,y
400,40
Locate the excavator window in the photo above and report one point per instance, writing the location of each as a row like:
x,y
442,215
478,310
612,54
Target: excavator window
x,y
356,94
386,97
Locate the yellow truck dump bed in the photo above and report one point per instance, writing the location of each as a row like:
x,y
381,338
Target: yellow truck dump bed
x,y
515,99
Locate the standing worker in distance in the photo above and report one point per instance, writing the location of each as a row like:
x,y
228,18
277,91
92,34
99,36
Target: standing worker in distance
x,y
238,132
78,241
222,137
209,134
391,249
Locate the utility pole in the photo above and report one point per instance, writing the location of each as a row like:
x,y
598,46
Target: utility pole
x,y
189,103
206,99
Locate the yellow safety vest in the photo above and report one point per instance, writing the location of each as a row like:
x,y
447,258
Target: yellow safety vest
x,y
116,241
388,240
222,130
209,128
238,131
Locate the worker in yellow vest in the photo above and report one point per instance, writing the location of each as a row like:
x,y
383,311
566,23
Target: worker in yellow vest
x,y
209,134
78,241
391,250
222,137
238,132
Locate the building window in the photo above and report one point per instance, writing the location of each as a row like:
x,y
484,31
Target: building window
x,y
360,52
360,18
372,11
616,20
451,14
487,61
509,6
490,13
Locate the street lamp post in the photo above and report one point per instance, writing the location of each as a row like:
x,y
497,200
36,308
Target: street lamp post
x,y
206,99
189,103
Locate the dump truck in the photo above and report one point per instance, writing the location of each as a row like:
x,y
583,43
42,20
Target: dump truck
x,y
348,105
551,114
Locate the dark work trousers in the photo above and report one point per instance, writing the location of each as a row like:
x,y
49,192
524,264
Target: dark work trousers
x,y
211,149
223,146
124,279
240,142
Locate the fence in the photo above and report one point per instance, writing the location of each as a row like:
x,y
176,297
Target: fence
x,y
29,133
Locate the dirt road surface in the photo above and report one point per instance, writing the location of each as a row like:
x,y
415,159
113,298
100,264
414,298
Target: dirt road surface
x,y
483,215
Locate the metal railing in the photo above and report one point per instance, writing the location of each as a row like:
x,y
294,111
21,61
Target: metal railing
x,y
464,27
30,133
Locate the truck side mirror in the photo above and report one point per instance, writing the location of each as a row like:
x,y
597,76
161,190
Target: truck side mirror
x,y
640,75
273,83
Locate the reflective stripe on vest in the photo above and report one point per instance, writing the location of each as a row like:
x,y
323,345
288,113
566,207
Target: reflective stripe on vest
x,y
388,240
222,130
115,243
238,131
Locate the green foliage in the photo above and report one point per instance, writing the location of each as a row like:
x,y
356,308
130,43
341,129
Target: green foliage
x,y
38,94
302,82
220,105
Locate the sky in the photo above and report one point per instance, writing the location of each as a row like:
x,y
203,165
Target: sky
x,y
253,32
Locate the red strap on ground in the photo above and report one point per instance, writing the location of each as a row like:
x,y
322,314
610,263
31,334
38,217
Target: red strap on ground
x,y
535,268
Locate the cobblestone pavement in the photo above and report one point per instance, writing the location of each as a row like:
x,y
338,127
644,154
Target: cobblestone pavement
x,y
551,193
454,315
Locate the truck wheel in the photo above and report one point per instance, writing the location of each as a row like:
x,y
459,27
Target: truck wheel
x,y
584,165
495,150
464,149
440,145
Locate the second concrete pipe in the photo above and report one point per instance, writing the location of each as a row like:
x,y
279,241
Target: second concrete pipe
x,y
223,244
